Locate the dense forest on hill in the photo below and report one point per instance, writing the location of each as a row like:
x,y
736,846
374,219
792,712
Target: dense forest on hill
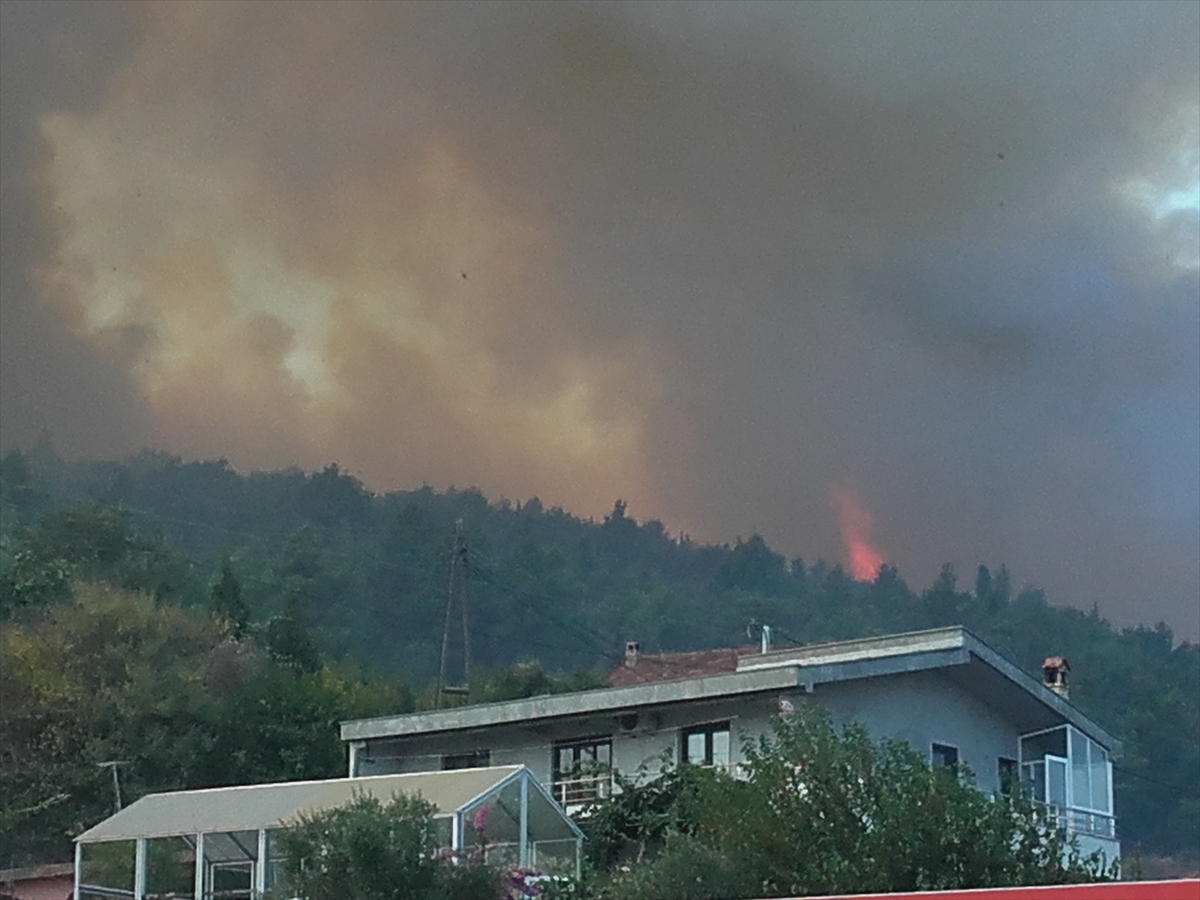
x,y
330,601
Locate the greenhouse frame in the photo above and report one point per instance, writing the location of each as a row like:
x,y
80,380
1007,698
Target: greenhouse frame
x,y
218,843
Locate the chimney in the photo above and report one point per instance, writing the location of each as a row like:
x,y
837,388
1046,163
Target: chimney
x,y
1054,675
631,653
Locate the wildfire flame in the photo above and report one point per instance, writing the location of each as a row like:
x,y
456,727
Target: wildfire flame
x,y
855,524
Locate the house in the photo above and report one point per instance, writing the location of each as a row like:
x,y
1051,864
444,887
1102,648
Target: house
x,y
220,842
943,691
51,882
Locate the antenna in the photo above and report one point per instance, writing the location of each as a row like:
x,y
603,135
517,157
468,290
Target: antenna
x,y
114,764
457,589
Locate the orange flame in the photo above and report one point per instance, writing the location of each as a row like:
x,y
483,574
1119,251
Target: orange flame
x,y
855,525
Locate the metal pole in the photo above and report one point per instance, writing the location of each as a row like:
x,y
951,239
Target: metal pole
x,y
523,859
78,869
260,871
139,869
198,893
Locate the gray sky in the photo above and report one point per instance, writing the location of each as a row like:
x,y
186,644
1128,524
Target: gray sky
x,y
920,277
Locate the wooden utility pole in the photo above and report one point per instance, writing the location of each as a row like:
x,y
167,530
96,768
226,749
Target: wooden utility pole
x,y
457,590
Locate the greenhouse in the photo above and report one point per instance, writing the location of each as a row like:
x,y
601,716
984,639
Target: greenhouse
x,y
217,843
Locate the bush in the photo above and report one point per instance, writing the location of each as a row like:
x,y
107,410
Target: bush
x,y
823,811
370,850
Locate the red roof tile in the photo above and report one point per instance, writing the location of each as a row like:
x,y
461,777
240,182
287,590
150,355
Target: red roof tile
x,y
652,667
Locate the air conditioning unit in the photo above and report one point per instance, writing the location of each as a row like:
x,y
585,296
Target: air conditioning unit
x,y
633,724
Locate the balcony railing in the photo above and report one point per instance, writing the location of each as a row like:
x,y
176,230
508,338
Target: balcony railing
x,y
1091,823
576,792
1081,821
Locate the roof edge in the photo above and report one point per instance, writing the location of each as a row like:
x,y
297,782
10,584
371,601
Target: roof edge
x,y
552,706
1056,702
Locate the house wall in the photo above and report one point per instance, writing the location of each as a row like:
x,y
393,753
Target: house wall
x,y
918,707
639,738
923,708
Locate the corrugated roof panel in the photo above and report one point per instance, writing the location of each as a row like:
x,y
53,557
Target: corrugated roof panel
x,y
255,806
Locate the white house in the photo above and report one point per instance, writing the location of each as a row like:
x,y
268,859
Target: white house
x,y
943,691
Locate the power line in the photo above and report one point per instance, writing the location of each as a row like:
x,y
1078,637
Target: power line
x,y
1187,792
597,643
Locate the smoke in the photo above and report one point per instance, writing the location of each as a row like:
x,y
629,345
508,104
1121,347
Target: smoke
x,y
708,258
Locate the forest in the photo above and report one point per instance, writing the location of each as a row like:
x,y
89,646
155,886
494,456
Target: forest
x,y
205,627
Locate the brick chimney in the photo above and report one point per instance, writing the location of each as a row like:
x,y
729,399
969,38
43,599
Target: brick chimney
x,y
1054,675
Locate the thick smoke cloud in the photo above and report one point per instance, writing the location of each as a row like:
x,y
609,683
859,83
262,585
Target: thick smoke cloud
x,y
720,260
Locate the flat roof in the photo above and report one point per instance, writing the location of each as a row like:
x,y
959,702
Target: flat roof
x,y
603,700
971,663
254,806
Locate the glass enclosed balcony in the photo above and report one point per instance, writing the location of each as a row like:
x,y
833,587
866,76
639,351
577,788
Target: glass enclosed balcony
x,y
1071,775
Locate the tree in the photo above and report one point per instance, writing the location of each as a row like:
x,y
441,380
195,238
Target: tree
x,y
288,640
227,605
114,676
371,850
823,811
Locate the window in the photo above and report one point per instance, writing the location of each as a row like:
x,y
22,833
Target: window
x,y
1007,774
1089,774
475,759
1068,769
581,772
706,745
944,756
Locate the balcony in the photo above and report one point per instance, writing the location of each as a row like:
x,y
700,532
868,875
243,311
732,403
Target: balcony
x,y
575,793
1080,821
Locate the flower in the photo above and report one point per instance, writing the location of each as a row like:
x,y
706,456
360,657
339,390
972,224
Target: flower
x,y
481,817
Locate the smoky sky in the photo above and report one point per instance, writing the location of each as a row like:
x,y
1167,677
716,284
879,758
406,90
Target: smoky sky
x,y
729,262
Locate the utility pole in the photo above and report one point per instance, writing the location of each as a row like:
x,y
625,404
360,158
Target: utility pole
x,y
114,764
457,589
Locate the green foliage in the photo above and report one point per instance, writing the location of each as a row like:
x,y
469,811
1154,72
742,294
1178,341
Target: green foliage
x,y
371,850
822,811
328,571
228,607
646,808
529,679
88,541
115,676
286,637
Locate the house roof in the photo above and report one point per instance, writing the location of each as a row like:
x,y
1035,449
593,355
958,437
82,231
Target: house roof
x,y
962,657
615,701
647,667
254,806
9,877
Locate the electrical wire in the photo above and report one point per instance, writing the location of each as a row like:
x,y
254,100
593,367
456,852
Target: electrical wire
x,y
1186,792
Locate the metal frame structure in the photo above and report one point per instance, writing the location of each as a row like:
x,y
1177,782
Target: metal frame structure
x,y
230,827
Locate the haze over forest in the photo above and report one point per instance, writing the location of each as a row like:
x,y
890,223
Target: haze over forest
x,y
906,282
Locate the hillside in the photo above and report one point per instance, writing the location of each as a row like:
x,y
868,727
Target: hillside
x,y
315,563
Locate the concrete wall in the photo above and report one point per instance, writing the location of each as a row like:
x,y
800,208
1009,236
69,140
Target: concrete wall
x,y
638,739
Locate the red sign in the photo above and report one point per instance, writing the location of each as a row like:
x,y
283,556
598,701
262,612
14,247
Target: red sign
x,y
1184,889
